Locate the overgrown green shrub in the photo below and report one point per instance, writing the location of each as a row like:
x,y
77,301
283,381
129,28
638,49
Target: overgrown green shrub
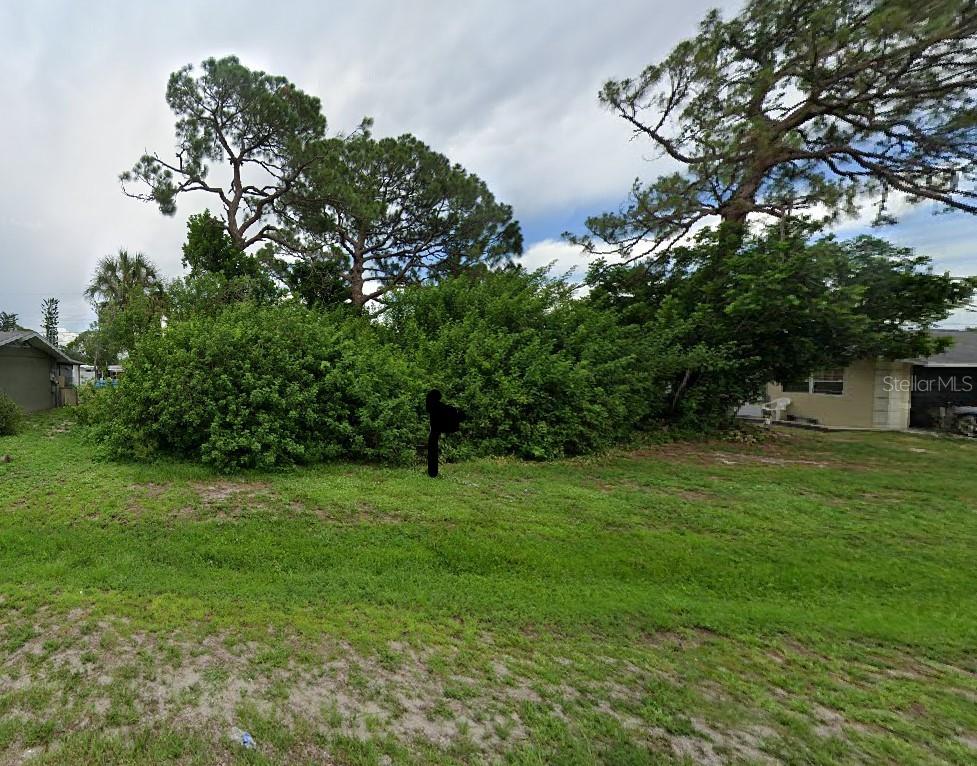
x,y
540,375
11,416
262,387
94,404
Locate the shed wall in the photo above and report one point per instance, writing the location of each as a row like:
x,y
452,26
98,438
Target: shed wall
x,y
25,376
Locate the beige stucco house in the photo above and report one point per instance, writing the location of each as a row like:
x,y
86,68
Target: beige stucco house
x,y
851,397
885,394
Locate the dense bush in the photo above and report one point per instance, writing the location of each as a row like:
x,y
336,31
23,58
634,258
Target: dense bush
x,y
11,416
263,387
540,375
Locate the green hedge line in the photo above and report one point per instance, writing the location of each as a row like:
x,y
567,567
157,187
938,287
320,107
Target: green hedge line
x,y
539,375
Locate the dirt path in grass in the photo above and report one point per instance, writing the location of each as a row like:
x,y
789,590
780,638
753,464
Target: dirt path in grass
x,y
63,674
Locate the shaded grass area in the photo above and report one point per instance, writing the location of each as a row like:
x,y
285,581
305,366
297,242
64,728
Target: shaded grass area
x,y
805,599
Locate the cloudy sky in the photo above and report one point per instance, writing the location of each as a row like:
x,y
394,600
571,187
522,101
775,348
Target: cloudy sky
x,y
506,89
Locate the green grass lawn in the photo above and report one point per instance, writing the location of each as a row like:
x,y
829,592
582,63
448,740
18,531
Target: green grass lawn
x,y
806,599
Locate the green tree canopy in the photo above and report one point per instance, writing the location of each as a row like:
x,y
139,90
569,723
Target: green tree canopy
x,y
792,105
390,212
91,347
259,124
317,279
209,248
50,311
220,272
8,322
778,306
117,279
129,299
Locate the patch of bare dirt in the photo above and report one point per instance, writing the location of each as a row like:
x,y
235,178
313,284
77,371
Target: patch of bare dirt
x,y
699,453
970,740
830,723
59,428
223,499
715,747
212,492
679,639
409,693
189,682
181,681
357,512
727,458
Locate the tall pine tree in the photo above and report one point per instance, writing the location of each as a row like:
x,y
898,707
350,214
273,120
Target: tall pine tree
x,y
49,313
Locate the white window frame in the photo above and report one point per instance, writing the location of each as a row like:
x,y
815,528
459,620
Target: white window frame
x,y
819,376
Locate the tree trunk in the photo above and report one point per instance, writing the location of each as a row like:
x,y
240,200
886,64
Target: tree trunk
x,y
679,391
233,205
741,204
356,280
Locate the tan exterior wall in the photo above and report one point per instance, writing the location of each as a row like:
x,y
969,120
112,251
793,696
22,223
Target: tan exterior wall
x,y
25,376
865,403
890,407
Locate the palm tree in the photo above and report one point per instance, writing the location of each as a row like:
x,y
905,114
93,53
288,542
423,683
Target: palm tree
x,y
118,278
127,294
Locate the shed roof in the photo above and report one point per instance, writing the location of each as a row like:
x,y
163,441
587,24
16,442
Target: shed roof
x,y
35,340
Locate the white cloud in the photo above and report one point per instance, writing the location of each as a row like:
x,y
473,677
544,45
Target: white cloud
x,y
563,260
508,91
561,257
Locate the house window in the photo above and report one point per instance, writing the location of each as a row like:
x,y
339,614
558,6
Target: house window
x,y
802,386
830,381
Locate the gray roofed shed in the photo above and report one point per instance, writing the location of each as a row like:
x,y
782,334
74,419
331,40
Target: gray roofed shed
x,y
29,370
35,340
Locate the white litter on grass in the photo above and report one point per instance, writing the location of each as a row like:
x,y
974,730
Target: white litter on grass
x,y
243,738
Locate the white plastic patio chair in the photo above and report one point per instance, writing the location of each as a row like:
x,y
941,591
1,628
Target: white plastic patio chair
x,y
774,410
